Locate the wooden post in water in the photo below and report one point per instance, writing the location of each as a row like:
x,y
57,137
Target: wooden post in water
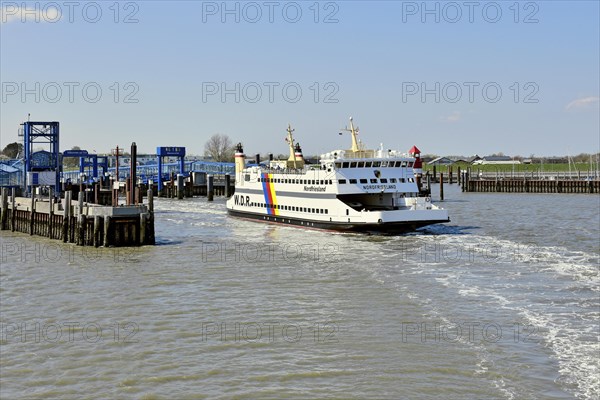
x,y
150,239
81,223
133,173
13,214
142,234
450,175
106,230
428,176
434,173
127,190
227,188
96,231
50,213
4,217
67,216
32,214
180,186
458,177
210,191
441,186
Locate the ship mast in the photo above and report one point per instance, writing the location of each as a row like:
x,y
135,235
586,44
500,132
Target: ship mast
x,y
290,140
353,132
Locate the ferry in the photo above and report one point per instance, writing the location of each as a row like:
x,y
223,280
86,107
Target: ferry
x,y
362,190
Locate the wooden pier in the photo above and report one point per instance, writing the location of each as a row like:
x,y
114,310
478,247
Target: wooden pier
x,y
84,224
532,186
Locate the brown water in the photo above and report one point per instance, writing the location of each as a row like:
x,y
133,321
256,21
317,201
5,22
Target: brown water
x,y
501,303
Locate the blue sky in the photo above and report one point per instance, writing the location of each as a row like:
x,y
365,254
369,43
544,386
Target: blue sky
x,y
371,60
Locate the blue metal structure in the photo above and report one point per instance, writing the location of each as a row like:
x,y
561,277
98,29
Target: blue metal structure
x,y
162,152
150,171
46,133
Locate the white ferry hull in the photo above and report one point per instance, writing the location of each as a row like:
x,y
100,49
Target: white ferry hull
x,y
389,227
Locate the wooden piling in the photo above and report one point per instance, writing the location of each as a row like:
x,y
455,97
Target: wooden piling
x,y
227,186
441,186
210,191
66,216
4,217
13,213
32,214
81,221
142,235
51,215
180,186
106,230
97,231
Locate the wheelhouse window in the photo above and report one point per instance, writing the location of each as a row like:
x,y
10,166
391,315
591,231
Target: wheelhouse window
x,y
373,180
364,181
404,163
361,164
353,164
376,164
410,164
342,181
383,180
345,164
368,164
352,181
392,180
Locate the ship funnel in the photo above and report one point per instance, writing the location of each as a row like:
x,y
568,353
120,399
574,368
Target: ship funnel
x,y
240,158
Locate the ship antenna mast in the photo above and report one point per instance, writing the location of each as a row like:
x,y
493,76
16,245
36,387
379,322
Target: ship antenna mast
x,y
353,132
290,140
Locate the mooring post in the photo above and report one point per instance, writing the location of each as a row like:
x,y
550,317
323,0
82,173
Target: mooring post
x,y
150,234
227,188
127,190
32,214
13,212
81,224
4,217
50,213
66,216
428,176
450,175
106,230
80,202
441,186
97,193
180,184
458,176
142,235
96,231
210,191
133,175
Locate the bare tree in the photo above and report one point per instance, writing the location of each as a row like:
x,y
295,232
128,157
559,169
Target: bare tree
x,y
220,148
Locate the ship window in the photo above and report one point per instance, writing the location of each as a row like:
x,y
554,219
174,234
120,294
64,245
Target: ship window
x,y
361,164
321,182
352,181
363,180
326,211
313,182
345,164
353,164
368,164
376,164
410,164
247,177
342,181
305,209
402,180
373,180
313,210
411,179
404,163
392,180
259,180
338,165
384,164
383,180
330,182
